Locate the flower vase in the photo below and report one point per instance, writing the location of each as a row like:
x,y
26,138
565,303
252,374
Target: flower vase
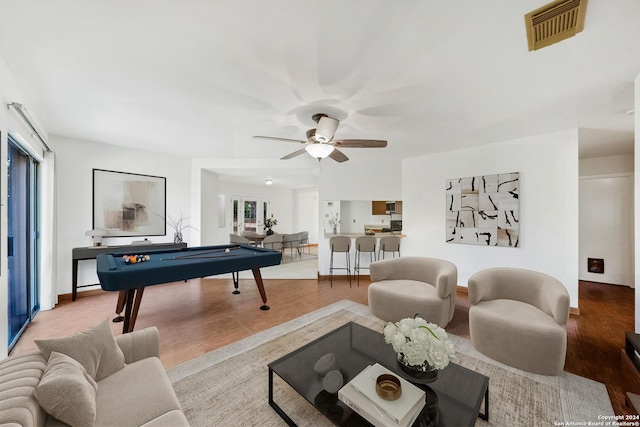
x,y
335,230
177,237
269,232
420,374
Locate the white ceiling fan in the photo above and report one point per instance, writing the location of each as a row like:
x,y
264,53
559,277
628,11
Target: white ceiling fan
x,y
320,142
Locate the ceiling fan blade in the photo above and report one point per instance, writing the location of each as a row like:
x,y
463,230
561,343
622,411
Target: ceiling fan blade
x,y
338,156
359,143
275,138
294,154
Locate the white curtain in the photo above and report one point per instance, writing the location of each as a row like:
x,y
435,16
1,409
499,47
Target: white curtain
x,y
48,254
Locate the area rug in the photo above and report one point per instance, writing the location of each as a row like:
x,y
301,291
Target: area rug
x,y
229,386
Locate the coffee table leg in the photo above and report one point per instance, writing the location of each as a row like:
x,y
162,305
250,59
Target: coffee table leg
x,y
485,416
275,406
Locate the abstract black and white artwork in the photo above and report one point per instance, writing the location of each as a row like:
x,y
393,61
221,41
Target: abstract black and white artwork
x,y
129,204
484,210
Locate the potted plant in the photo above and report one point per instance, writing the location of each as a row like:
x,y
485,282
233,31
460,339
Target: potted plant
x,y
178,226
334,221
269,223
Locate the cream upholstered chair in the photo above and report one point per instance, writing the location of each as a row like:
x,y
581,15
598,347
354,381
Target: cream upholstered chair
x,y
292,241
404,287
236,239
518,317
254,238
304,240
366,244
273,241
340,244
389,244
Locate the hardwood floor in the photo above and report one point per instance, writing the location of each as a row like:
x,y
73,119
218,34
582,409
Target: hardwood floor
x,y
202,315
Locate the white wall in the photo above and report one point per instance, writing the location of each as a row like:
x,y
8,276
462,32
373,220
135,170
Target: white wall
x,y
548,167
307,212
636,199
75,163
209,190
621,163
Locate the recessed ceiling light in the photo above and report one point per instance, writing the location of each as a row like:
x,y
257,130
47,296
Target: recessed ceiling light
x,y
268,181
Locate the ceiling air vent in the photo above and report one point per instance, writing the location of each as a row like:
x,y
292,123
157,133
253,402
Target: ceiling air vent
x,y
554,22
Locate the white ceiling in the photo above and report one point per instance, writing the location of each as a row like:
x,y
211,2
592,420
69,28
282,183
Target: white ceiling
x,y
198,78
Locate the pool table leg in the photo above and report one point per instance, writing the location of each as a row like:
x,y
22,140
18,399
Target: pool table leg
x,y
122,299
133,298
258,277
235,275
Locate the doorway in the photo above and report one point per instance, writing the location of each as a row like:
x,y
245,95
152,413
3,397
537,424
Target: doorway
x,y
22,240
606,229
248,213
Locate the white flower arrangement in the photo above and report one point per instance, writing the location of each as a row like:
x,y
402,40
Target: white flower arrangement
x,y
420,343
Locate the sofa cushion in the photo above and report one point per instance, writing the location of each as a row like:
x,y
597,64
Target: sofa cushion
x,y
67,392
515,315
19,375
96,349
148,395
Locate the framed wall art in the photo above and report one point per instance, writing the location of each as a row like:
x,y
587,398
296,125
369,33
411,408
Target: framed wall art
x,y
128,204
484,210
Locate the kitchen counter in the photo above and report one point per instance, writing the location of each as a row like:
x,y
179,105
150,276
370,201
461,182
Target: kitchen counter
x,y
354,235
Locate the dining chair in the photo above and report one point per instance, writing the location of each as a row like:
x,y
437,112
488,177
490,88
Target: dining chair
x,y
340,244
389,244
364,244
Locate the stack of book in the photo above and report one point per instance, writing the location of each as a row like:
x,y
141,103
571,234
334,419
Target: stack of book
x,y
361,396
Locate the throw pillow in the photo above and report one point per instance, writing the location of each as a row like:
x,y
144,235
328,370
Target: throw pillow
x,y
67,392
96,349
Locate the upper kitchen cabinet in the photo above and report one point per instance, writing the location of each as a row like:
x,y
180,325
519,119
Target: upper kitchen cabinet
x,y
378,207
382,207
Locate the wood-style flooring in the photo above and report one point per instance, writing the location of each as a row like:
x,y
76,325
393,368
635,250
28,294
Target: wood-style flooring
x,y
202,315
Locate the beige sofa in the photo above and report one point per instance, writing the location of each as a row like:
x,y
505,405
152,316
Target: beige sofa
x,y
518,317
404,287
138,394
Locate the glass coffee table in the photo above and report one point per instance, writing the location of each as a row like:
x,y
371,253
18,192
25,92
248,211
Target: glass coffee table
x,y
460,391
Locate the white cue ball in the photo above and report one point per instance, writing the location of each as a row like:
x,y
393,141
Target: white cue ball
x,y
227,250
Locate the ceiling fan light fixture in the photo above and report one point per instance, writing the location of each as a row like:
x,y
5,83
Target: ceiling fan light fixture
x,y
319,151
326,129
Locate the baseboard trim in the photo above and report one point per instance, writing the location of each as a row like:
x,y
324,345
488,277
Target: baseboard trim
x,y
343,276
81,294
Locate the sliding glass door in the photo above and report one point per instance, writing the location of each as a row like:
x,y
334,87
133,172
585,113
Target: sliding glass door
x,y
22,240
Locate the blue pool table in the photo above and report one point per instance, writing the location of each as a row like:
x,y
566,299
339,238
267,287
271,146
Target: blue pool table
x,y
130,279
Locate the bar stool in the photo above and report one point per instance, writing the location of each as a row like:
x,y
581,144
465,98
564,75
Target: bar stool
x,y
389,244
340,244
364,244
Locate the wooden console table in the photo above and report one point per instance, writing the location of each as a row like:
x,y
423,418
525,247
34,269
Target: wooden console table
x,y
630,368
91,252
